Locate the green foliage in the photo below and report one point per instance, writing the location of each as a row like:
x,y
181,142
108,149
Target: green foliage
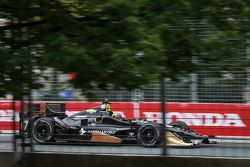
x,y
123,43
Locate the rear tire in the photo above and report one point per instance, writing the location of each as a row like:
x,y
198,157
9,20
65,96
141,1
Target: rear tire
x,y
43,130
149,134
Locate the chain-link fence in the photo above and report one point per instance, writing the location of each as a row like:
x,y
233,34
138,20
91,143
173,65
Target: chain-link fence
x,y
213,105
204,113
225,122
210,86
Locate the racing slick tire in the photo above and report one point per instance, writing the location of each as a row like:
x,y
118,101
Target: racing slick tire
x,y
149,134
43,130
180,124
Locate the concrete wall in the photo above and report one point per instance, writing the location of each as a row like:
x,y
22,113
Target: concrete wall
x,y
78,160
6,159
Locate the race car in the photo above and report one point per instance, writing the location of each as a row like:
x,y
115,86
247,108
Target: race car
x,y
49,123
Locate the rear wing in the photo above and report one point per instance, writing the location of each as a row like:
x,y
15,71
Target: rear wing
x,y
48,109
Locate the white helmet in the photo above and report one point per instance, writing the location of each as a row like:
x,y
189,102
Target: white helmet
x,y
117,116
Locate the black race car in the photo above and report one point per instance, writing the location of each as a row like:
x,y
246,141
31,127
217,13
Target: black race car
x,y
49,123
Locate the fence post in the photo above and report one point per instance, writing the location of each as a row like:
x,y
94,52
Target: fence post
x,y
163,111
14,122
21,124
30,110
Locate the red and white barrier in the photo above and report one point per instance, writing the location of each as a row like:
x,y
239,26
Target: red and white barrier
x,y
205,118
209,119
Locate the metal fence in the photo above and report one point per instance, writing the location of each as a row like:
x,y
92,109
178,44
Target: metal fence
x,y
231,88
208,86
229,146
190,98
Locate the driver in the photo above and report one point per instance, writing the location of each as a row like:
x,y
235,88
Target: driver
x,y
117,116
106,107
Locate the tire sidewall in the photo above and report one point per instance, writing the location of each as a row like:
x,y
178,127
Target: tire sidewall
x,y
50,124
157,139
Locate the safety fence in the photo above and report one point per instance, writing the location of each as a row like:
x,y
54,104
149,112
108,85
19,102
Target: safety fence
x,y
209,85
226,125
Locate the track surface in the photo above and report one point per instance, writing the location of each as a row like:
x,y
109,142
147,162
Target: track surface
x,y
225,150
217,150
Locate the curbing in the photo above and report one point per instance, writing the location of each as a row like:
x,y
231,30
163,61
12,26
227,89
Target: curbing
x,y
66,160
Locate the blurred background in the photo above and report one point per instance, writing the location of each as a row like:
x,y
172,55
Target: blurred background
x,y
87,50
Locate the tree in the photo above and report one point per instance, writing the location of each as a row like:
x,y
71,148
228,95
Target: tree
x,y
123,43
97,40
212,31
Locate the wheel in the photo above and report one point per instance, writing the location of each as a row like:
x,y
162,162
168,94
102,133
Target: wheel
x,y
149,134
180,124
43,130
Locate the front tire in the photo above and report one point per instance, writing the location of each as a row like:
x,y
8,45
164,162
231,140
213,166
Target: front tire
x,y
43,130
149,134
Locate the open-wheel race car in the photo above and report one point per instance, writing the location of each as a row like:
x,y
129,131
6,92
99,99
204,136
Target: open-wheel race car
x,y
49,123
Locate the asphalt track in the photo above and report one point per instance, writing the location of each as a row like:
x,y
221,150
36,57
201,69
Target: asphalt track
x,y
222,150
235,150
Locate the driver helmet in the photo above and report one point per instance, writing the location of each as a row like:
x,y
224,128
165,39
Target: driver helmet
x,y
103,107
105,101
117,116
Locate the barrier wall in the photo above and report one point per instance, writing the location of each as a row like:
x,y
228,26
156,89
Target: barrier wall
x,y
65,160
209,119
